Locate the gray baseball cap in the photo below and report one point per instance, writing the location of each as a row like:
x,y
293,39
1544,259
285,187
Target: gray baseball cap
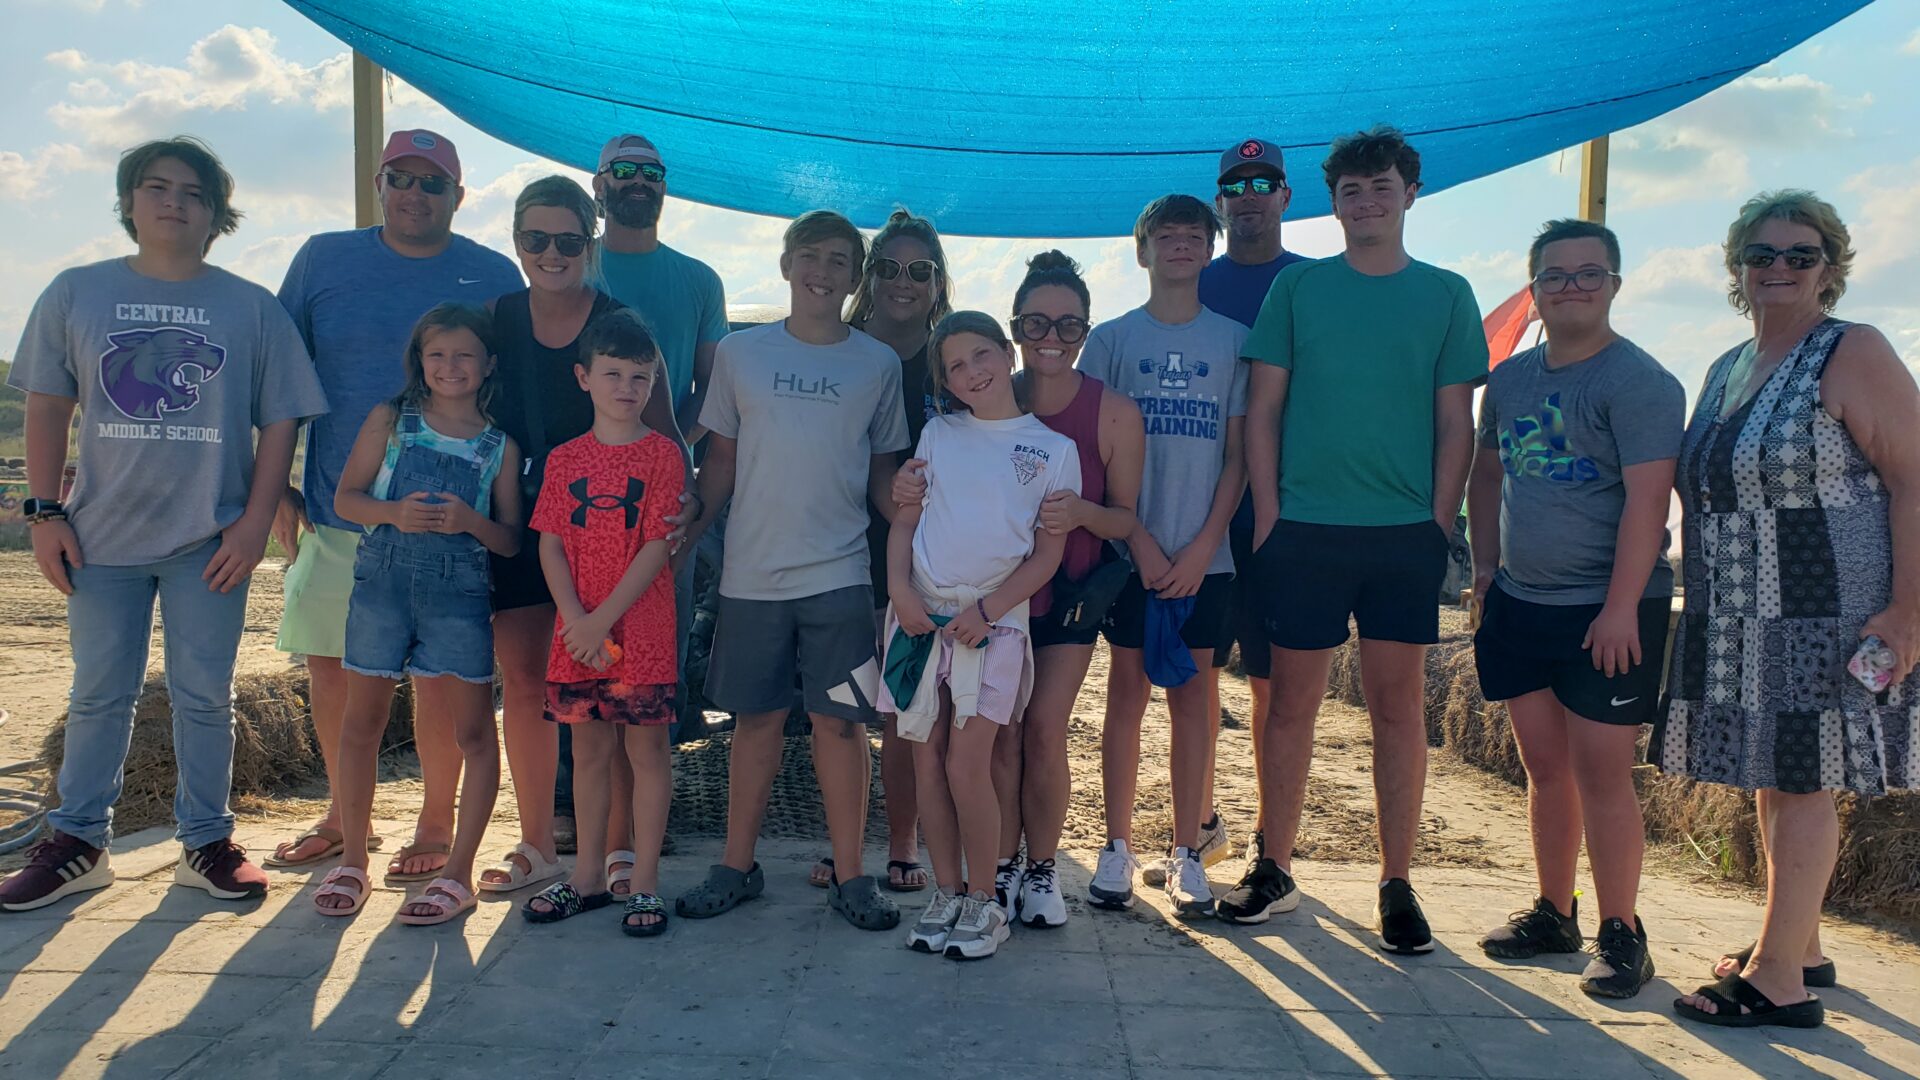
x,y
1252,152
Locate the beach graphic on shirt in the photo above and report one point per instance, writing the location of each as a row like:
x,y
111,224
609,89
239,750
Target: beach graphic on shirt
x,y
1028,462
1537,446
151,372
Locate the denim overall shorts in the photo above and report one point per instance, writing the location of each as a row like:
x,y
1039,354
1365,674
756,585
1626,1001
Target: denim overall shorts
x,y
420,602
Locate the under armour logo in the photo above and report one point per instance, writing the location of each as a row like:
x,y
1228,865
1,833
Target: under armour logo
x,y
584,501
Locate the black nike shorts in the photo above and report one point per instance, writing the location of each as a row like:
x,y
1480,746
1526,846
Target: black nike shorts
x,y
1522,647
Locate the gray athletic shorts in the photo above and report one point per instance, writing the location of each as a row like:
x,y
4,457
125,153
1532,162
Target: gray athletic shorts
x,y
828,640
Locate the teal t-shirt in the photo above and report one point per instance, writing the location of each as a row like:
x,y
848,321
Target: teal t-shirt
x,y
680,297
1366,354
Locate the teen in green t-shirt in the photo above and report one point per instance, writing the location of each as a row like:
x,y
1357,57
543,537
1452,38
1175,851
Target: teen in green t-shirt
x,y
1359,438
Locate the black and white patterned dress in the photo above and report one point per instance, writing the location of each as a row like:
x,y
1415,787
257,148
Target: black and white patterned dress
x,y
1786,554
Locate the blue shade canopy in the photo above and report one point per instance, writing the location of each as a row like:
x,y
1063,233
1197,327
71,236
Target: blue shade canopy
x,y
1030,118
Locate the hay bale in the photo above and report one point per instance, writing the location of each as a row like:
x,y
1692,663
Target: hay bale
x,y
1472,728
274,748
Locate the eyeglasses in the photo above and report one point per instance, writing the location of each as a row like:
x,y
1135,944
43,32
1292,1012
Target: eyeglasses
x,y
1799,256
1035,327
645,170
922,270
1588,279
533,242
402,181
1259,185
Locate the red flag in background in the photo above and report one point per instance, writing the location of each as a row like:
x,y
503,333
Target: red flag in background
x,y
1508,323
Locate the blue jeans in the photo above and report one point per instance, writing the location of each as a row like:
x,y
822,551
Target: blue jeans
x,y
110,620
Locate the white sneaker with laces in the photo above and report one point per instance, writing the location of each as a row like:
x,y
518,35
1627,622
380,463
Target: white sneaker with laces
x,y
1040,901
1112,886
980,930
929,933
1214,846
1187,889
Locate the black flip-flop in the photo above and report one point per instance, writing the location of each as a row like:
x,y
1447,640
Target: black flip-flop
x,y
1820,975
1737,1003
644,904
563,902
905,866
826,861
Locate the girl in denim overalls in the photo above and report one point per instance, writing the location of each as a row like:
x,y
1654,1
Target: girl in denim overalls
x,y
436,486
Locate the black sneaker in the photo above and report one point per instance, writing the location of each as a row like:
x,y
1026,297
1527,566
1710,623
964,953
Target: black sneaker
x,y
1403,929
1621,964
1539,929
1264,891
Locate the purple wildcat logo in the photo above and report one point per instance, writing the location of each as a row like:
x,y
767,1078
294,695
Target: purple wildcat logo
x,y
151,372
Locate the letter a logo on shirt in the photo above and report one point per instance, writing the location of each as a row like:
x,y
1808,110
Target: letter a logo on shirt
x,y
1175,373
583,501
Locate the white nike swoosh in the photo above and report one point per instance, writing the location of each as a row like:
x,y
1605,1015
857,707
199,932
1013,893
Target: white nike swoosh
x,y
468,281
1617,702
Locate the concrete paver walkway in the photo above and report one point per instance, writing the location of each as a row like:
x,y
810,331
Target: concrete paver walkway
x,y
146,980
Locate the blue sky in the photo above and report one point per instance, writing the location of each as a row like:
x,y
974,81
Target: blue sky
x,y
271,93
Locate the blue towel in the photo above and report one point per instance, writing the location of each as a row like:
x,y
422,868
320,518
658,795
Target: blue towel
x,y
1169,662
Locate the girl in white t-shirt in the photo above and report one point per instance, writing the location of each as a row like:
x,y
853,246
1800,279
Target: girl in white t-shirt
x,y
961,566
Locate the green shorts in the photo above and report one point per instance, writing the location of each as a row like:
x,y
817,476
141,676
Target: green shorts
x,y
318,585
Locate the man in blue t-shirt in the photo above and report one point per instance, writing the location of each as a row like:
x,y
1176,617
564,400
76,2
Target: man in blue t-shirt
x,y
354,297
1253,196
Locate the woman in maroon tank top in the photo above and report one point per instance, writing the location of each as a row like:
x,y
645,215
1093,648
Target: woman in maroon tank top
x,y
1030,772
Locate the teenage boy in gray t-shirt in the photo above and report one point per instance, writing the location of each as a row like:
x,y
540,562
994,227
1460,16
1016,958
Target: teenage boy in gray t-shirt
x,y
806,425
175,367
1568,502
1180,363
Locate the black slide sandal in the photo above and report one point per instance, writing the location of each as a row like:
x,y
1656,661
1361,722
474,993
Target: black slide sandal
x,y
1739,1004
1819,976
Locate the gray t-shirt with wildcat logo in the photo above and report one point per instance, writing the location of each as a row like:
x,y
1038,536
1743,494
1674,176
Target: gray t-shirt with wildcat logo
x,y
172,378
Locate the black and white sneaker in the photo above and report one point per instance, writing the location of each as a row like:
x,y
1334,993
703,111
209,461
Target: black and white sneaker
x,y
1006,883
1539,929
1403,927
1256,850
1112,885
1621,964
1264,891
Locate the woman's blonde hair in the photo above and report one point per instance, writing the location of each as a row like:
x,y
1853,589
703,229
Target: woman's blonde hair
x,y
902,222
1801,207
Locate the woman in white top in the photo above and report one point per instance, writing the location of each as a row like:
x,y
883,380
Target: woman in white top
x,y
964,562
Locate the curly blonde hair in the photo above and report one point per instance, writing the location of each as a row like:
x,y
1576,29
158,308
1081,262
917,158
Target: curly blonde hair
x,y
1801,207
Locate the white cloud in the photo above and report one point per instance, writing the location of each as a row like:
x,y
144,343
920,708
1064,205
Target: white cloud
x,y
23,177
1884,231
1688,276
1703,149
1912,47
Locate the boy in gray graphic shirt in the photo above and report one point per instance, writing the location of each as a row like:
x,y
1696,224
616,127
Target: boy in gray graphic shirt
x,y
1568,502
1181,364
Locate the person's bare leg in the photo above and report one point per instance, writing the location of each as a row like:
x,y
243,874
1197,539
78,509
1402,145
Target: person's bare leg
x,y
620,788
649,757
937,816
969,767
364,718
327,701
1299,684
844,767
522,642
1191,753
897,779
1816,956
1047,777
1262,702
595,744
753,761
1393,678
1803,841
1009,767
1127,695
1540,728
1602,756
469,708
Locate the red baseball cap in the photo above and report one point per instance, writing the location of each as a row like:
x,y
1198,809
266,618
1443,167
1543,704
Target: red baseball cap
x,y
421,143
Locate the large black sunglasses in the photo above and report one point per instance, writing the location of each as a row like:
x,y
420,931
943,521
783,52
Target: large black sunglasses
x,y
432,185
1799,256
533,242
1035,327
921,270
645,170
1259,185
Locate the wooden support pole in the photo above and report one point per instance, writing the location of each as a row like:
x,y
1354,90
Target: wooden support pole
x,y
1593,181
369,131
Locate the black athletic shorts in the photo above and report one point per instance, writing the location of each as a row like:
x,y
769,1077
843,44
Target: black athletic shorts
x,y
1522,647
1246,625
1386,578
519,582
1043,632
1206,625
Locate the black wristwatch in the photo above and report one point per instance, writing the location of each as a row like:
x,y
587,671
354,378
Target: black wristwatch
x,y
41,508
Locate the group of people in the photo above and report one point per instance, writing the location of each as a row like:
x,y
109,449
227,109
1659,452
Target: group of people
x,y
1270,453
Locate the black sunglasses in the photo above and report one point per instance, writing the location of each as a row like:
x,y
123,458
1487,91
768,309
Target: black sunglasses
x,y
533,242
432,185
1259,185
1799,256
1586,279
645,170
921,270
1035,327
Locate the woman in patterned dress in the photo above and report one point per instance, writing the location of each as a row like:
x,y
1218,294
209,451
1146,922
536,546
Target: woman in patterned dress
x,y
1800,480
